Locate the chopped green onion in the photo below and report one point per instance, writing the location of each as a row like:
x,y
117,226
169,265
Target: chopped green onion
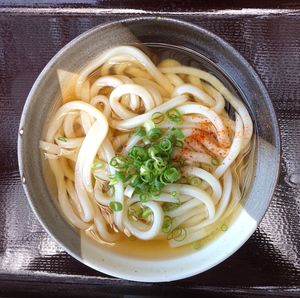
x,y
111,190
196,245
178,143
141,132
159,164
150,164
148,167
163,180
146,141
174,116
171,174
129,190
178,234
157,183
154,134
145,174
63,139
135,211
115,206
135,180
214,162
195,181
170,206
152,151
97,165
144,197
167,224
158,117
118,162
117,177
184,180
174,193
177,133
147,212
165,145
154,191
224,228
138,153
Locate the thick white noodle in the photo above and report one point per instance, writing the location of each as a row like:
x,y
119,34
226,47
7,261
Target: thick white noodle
x,y
56,122
196,93
222,134
227,187
68,173
195,192
141,119
101,227
185,207
208,177
86,122
120,141
234,150
70,143
131,143
192,157
101,197
217,96
69,125
107,81
73,196
134,102
118,92
63,197
218,85
105,102
156,226
128,51
175,80
119,189
196,211
142,81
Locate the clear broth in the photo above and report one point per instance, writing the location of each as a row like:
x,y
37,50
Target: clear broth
x,y
159,249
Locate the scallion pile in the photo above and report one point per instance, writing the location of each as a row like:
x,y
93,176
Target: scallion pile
x,y
147,168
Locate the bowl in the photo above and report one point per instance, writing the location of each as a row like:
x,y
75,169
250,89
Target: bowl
x,y
218,57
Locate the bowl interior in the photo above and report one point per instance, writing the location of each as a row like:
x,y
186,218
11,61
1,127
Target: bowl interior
x,y
221,59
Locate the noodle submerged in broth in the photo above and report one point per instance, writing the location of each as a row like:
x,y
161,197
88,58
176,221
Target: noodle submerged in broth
x,y
148,151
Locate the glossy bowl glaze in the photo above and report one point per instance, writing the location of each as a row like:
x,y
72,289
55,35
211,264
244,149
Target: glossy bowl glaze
x,y
223,61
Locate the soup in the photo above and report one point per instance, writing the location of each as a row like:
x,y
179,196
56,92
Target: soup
x,y
149,154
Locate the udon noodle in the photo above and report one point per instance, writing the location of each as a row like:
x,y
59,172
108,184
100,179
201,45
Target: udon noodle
x,y
148,151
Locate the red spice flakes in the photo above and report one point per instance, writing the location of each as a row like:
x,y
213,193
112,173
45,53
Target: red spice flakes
x,y
182,153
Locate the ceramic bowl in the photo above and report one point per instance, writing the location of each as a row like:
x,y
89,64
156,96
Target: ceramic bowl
x,y
218,57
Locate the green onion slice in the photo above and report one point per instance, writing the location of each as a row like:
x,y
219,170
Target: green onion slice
x,y
157,117
214,162
154,134
195,181
63,139
171,175
178,234
165,145
167,224
147,212
115,206
141,132
144,197
97,165
174,116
